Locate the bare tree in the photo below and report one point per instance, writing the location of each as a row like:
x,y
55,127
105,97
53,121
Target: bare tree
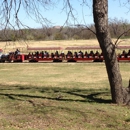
x,y
118,27
100,11
10,9
119,94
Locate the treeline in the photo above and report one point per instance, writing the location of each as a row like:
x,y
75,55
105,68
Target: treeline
x,y
117,27
51,33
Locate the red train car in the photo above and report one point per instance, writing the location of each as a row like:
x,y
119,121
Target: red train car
x,y
94,54
124,53
44,54
12,57
56,54
84,54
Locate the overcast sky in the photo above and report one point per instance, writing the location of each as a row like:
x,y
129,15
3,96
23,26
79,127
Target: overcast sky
x,y
58,17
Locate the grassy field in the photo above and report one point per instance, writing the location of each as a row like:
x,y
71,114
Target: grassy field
x,y
59,96
22,45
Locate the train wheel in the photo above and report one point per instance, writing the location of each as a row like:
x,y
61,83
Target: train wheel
x,y
2,61
72,60
33,61
57,60
98,60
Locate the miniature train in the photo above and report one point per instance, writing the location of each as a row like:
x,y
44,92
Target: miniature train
x,y
56,54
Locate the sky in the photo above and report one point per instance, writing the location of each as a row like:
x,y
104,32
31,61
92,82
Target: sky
x,y
83,15
119,10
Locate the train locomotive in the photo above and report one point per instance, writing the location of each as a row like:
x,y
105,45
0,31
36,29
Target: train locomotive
x,y
68,54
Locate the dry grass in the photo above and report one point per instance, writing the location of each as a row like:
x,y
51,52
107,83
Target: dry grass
x,y
54,74
59,74
59,96
22,45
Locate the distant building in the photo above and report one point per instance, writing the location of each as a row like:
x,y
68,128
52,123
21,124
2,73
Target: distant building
x,y
57,27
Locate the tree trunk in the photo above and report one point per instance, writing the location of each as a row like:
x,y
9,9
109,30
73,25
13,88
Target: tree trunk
x,y
100,13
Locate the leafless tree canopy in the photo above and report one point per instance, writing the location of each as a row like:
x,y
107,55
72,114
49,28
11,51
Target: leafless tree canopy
x,y
10,10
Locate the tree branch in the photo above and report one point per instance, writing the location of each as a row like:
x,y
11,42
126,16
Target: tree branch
x,y
116,42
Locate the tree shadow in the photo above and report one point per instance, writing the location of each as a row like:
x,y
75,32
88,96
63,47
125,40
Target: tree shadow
x,y
57,93
93,97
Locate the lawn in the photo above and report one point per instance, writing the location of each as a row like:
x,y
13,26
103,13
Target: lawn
x,y
60,96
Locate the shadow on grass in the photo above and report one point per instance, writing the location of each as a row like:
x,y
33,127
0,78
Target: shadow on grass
x,y
56,93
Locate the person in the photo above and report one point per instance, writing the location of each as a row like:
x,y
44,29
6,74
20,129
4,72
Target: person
x,y
80,54
17,52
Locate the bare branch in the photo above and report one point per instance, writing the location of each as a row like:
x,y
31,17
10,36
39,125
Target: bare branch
x,y
10,9
70,12
116,42
87,28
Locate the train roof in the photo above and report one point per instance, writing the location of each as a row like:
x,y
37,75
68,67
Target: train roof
x,y
44,48
93,47
73,48
82,47
123,47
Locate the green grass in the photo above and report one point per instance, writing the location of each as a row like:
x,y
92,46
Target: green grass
x,y
60,96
